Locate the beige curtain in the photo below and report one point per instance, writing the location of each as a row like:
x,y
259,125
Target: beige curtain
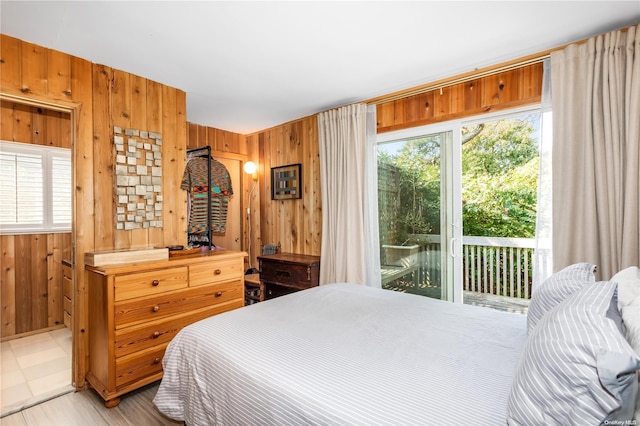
x,y
596,160
343,137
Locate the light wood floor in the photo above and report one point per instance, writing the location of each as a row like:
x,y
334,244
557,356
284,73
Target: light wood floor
x,y
87,408
34,368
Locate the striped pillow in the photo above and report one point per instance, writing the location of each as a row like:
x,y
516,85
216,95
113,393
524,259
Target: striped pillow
x,y
576,368
556,288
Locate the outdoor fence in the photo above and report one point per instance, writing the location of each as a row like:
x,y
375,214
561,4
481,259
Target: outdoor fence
x,y
491,265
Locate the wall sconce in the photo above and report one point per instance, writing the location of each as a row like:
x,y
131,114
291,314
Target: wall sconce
x,y
250,168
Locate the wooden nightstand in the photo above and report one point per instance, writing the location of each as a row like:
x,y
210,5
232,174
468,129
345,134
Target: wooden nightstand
x,y
285,273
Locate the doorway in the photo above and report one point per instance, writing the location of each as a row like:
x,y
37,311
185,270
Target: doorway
x,y
37,342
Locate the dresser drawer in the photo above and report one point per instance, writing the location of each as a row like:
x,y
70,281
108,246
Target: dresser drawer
x,y
67,287
67,293
150,282
67,270
146,335
138,365
152,308
223,270
66,302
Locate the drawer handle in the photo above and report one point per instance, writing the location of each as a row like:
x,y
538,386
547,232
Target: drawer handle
x,y
155,283
218,293
217,271
157,360
156,308
156,334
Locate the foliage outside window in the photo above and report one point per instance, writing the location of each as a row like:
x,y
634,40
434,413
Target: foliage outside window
x,y
35,188
500,179
499,182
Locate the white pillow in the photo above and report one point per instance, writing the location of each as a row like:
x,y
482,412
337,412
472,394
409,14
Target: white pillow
x,y
629,305
557,288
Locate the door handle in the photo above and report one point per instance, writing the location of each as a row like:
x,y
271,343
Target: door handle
x,y
452,244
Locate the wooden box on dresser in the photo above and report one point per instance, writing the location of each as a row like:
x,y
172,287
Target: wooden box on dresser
x,y
136,309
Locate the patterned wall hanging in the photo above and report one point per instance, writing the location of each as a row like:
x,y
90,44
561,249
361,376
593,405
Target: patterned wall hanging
x,y
138,179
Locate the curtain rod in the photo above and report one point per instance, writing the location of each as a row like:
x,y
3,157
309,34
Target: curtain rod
x,y
474,76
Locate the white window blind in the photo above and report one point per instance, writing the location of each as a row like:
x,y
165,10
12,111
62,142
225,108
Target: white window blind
x,y
35,188
61,189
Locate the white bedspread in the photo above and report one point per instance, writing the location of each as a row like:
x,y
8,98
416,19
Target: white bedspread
x,y
344,354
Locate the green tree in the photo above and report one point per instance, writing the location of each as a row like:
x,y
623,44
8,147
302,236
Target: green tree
x,y
500,173
500,168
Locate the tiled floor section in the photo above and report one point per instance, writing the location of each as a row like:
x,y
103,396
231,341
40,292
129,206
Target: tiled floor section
x,y
34,369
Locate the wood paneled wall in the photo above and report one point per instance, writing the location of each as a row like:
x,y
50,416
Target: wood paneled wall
x,y
128,101
222,142
31,277
505,90
98,98
31,284
28,124
230,149
294,224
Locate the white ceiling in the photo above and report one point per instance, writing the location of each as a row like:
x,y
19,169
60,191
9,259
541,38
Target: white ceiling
x,y
247,66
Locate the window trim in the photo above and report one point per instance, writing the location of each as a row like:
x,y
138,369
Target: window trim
x,y
46,153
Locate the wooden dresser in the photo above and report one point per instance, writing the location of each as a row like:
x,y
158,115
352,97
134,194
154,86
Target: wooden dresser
x,y
136,309
284,273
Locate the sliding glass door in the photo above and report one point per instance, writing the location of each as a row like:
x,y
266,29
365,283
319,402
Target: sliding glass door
x,y
415,207
473,177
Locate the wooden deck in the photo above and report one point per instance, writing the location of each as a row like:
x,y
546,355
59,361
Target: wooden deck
x,y
501,303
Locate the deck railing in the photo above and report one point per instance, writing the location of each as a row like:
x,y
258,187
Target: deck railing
x,y
491,265
501,266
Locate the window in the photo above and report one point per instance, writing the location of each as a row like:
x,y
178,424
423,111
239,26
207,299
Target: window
x,y
35,188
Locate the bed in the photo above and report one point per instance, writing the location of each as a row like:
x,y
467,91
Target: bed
x,y
344,354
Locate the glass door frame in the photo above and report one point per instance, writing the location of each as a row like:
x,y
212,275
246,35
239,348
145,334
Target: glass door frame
x,y
450,176
451,189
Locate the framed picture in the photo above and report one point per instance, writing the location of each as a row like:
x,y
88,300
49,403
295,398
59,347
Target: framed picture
x,y
286,182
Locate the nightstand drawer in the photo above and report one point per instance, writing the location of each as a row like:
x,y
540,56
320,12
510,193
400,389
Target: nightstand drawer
x,y
150,282
152,308
224,270
291,275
